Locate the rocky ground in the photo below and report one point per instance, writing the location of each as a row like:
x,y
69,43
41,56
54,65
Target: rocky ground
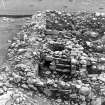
x,y
9,27
84,36
8,94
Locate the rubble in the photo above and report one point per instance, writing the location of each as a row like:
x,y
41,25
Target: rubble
x,y
57,54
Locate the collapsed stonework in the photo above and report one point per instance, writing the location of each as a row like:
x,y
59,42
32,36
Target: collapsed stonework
x,y
56,53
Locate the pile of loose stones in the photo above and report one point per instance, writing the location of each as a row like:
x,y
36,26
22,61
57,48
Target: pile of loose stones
x,y
61,56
